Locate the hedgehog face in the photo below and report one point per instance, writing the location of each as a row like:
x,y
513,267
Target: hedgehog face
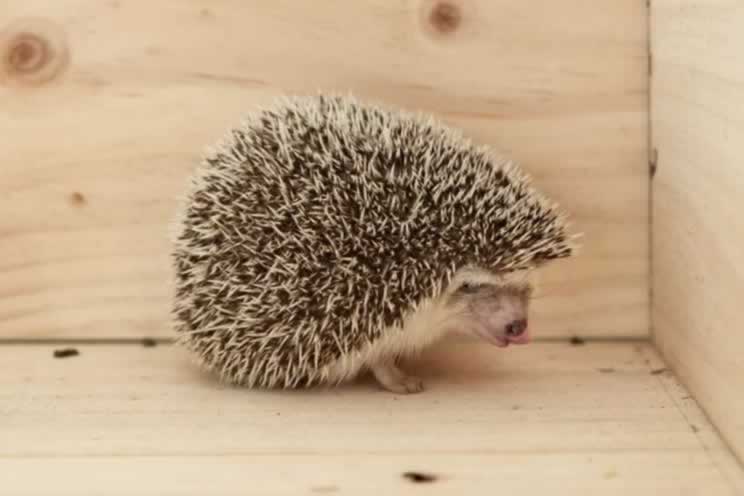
x,y
490,309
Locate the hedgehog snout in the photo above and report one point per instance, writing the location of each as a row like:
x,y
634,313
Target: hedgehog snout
x,y
516,332
516,328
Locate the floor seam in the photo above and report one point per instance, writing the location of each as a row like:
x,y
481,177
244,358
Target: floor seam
x,y
694,429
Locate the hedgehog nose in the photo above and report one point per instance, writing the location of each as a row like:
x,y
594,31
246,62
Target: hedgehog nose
x,y
516,328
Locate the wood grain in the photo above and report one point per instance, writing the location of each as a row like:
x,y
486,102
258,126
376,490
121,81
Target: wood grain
x,y
95,157
698,122
593,419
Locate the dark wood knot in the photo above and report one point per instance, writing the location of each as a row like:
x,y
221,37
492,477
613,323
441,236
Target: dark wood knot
x,y
77,199
32,51
445,17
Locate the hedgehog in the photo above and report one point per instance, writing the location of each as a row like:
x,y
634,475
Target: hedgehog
x,y
325,236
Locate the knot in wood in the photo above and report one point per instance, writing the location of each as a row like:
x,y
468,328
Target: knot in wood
x,y
32,51
27,53
445,17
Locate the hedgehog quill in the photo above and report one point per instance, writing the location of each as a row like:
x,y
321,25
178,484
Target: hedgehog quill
x,y
324,237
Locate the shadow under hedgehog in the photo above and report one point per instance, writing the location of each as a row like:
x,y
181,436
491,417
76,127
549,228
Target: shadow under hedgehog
x,y
325,236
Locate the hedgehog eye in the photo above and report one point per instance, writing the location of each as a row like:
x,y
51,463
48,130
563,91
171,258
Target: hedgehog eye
x,y
469,287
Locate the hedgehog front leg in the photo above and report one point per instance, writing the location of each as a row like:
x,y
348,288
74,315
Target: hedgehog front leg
x,y
395,380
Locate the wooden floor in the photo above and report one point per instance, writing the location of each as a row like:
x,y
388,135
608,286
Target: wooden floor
x,y
550,418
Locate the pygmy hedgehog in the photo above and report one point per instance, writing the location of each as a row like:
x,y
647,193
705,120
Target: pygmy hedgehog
x,y
325,236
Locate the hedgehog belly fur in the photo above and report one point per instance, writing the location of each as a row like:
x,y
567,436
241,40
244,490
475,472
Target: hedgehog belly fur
x,y
421,328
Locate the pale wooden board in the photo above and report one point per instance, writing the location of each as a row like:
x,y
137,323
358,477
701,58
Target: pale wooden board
x,y
698,124
548,418
561,87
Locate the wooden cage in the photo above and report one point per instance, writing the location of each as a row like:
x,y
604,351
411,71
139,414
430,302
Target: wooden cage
x,y
628,113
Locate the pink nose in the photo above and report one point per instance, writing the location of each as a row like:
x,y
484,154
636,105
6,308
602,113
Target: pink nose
x,y
516,328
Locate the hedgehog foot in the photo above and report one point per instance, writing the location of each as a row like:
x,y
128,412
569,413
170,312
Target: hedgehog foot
x,y
395,380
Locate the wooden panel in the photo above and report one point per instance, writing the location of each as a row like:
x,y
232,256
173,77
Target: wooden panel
x,y
368,475
551,418
99,137
698,123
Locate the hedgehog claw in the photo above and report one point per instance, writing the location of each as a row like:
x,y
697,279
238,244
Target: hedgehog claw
x,y
413,384
395,380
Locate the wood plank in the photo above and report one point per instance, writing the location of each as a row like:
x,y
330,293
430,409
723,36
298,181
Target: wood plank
x,y
698,119
600,418
95,157
513,473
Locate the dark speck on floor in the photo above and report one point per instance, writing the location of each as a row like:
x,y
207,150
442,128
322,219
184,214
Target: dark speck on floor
x,y
694,428
419,477
610,474
66,352
658,371
149,342
576,341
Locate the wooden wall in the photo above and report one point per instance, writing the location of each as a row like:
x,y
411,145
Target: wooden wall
x,y
105,106
698,200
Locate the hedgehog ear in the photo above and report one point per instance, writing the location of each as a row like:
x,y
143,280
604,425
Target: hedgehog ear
x,y
522,280
516,277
